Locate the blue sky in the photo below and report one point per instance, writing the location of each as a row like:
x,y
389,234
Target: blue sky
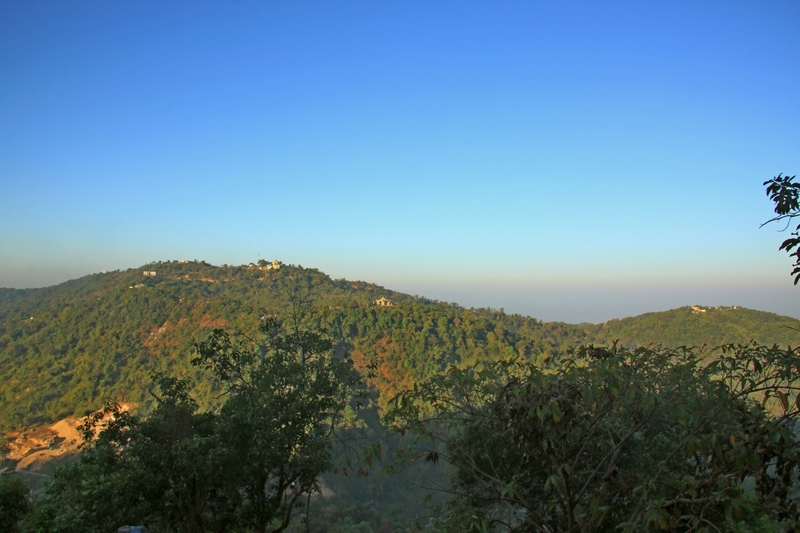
x,y
574,161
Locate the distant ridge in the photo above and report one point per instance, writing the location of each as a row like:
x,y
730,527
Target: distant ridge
x,y
699,325
68,348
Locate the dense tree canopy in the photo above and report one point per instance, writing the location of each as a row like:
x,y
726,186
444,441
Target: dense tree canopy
x,y
67,349
234,427
615,440
241,468
14,503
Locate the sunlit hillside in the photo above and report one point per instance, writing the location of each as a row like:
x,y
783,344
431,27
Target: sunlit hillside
x,y
67,349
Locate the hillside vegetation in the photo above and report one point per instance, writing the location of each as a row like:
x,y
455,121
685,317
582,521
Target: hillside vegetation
x,y
67,349
698,326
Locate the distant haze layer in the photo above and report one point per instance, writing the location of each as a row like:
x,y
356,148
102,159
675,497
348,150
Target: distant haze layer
x,y
554,299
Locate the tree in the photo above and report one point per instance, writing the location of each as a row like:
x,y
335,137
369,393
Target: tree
x,y
169,471
285,396
14,502
614,440
784,192
243,467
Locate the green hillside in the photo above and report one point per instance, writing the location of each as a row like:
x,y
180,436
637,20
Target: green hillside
x,y
698,326
66,349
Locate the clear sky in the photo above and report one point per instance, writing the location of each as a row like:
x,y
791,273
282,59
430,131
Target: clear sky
x,y
574,161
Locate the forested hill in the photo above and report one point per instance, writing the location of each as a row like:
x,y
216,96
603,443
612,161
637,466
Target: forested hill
x,y
68,348
698,326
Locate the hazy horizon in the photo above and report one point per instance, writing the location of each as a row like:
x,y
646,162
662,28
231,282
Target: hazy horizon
x,y
570,304
574,161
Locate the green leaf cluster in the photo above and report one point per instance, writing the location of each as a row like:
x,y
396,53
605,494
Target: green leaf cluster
x,y
785,193
615,440
244,467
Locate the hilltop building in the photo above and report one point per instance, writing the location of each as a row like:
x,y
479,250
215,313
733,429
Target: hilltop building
x,y
384,302
265,265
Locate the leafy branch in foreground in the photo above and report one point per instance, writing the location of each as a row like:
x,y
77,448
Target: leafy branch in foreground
x,y
784,192
615,440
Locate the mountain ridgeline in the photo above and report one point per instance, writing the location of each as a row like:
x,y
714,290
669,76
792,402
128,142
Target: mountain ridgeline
x,y
67,349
